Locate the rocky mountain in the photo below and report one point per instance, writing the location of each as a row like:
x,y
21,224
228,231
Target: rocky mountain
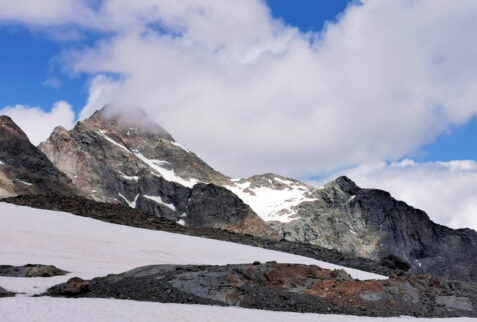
x,y
370,223
135,162
24,169
113,159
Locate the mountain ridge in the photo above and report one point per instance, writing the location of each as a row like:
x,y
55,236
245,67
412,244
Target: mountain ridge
x,y
109,161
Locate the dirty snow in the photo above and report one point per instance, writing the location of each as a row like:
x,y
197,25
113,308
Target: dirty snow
x,y
84,309
89,248
169,175
272,204
158,200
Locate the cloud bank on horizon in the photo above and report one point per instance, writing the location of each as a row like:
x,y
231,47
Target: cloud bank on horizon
x,y
252,94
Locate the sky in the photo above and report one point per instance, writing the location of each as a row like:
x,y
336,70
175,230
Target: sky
x,y
383,91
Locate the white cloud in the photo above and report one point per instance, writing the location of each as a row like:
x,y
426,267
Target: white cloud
x,y
251,94
38,124
445,190
53,82
46,12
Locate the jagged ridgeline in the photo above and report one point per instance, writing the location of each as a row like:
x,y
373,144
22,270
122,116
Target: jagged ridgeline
x,y
111,159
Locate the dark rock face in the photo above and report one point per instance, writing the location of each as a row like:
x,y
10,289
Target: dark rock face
x,y
31,270
23,168
370,223
286,287
213,206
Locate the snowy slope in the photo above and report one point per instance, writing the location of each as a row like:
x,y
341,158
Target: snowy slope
x,y
80,310
272,197
89,248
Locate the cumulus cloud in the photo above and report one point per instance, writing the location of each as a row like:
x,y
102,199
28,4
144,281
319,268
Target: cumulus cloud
x,y
38,124
445,190
251,94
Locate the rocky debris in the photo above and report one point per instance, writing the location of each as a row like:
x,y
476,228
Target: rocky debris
x,y
31,270
74,286
5,293
286,287
119,214
23,168
370,223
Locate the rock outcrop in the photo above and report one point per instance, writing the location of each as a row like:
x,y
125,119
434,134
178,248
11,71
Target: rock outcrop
x,y
284,287
25,170
31,270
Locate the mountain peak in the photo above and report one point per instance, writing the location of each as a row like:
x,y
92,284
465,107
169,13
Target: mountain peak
x,y
136,120
344,183
9,128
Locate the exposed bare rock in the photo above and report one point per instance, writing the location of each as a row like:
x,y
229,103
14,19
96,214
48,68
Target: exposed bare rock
x,y
31,270
23,168
5,293
75,286
286,287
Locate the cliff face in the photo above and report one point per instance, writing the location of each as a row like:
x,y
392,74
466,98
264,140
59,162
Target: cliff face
x,y
25,170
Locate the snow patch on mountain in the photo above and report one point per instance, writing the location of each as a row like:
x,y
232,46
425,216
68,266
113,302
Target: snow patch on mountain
x,y
102,133
272,201
131,204
158,200
25,183
167,174
132,178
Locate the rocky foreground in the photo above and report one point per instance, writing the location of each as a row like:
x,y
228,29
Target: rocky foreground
x,y
282,287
